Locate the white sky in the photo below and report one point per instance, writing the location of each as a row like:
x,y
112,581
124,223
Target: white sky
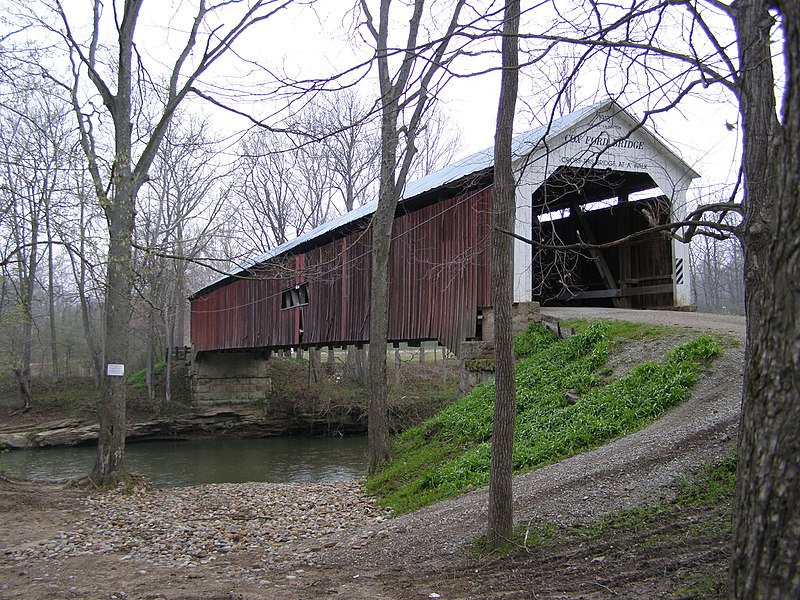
x,y
319,40
322,41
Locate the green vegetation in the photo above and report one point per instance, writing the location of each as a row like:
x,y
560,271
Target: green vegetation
x,y
138,380
78,397
450,453
62,397
712,486
420,393
417,394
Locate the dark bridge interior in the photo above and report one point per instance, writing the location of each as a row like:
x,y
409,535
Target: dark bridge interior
x,y
597,208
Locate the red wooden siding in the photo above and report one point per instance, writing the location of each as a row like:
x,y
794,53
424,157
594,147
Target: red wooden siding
x,y
439,277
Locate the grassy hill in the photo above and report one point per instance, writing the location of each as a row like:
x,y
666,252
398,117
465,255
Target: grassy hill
x,y
568,400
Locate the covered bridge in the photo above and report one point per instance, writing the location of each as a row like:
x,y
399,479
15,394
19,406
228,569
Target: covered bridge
x,y
595,175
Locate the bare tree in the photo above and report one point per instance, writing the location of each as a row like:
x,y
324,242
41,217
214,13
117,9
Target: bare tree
x,y
105,63
32,134
315,178
344,126
267,191
178,212
405,93
663,52
80,237
439,143
717,276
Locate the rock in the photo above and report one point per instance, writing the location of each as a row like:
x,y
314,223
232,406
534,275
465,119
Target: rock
x,y
225,420
193,526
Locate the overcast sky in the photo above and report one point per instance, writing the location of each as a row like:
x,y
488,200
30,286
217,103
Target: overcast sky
x,y
311,41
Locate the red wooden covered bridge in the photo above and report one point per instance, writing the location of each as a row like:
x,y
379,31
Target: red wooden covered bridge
x,y
595,175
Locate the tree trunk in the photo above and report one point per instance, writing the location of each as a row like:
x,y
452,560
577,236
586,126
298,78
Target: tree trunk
x,y
382,222
314,362
109,467
409,87
24,385
330,364
500,520
766,521
398,380
150,370
51,295
355,364
170,327
27,281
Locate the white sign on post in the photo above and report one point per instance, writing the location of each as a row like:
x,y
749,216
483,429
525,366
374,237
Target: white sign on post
x,y
115,370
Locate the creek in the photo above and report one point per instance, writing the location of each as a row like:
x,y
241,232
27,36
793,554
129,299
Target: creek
x,y
181,463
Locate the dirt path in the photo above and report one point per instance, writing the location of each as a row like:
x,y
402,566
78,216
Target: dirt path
x,y
425,554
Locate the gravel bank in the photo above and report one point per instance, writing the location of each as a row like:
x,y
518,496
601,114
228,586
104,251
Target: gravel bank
x,y
195,526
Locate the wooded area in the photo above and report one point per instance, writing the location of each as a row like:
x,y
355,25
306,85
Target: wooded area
x,y
117,196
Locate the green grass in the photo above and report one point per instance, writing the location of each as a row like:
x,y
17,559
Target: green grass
x,y
713,484
450,452
138,380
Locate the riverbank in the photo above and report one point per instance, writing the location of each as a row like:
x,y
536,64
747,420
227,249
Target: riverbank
x,y
65,410
249,541
213,422
192,527
661,549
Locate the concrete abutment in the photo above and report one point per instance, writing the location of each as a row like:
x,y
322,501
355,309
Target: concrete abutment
x,y
477,357
230,378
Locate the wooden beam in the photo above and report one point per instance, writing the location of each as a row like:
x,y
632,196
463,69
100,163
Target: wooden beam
x,y
600,261
589,295
646,290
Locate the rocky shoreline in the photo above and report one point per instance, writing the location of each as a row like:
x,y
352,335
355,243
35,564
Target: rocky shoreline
x,y
215,422
194,526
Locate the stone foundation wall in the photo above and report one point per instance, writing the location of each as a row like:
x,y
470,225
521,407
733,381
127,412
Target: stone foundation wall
x,y
477,358
230,378
522,315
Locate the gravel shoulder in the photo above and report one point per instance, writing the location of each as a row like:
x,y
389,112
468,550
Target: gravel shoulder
x,y
259,540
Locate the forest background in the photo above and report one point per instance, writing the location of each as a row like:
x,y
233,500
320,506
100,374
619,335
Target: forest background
x,y
258,161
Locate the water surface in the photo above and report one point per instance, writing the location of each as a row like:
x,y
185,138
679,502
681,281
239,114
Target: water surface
x,y
175,463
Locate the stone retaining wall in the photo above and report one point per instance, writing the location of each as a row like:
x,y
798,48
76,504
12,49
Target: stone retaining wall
x,y
230,378
477,357
522,315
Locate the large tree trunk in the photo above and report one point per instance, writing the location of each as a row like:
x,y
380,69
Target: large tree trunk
x,y
382,221
412,93
503,210
766,536
109,468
